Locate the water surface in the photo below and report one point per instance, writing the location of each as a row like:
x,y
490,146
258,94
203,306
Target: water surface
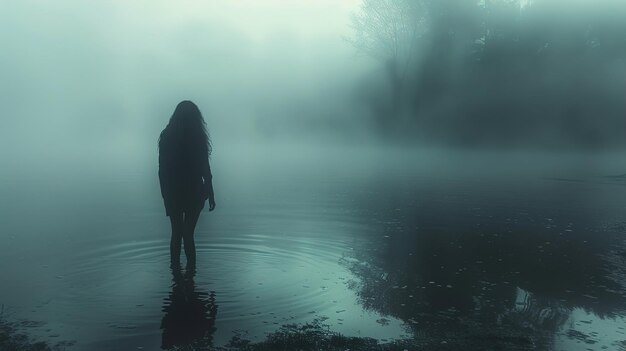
x,y
518,249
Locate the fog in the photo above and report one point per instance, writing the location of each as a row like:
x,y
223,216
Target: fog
x,y
397,169
104,76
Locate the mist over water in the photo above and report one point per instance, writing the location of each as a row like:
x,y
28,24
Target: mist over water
x,y
464,188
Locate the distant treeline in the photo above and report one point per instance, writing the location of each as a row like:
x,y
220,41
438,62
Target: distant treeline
x,y
507,71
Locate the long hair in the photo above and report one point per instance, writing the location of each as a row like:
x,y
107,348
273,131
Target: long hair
x,y
187,129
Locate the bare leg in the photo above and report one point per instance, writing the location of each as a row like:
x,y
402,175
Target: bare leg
x,y
177,234
191,218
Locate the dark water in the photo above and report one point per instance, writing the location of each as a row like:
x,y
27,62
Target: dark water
x,y
390,244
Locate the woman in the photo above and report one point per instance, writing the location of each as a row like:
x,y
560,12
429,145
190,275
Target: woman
x,y
185,176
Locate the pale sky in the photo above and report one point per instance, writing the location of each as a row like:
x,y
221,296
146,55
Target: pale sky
x,y
122,65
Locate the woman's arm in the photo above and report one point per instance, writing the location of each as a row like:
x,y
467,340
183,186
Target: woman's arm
x,y
208,183
164,174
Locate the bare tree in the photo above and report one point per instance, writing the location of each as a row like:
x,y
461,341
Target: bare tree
x,y
389,31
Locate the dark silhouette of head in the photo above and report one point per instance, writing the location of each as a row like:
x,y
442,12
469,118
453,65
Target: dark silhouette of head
x,y
187,127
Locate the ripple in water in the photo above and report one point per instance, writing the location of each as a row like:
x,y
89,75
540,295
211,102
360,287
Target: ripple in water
x,y
260,281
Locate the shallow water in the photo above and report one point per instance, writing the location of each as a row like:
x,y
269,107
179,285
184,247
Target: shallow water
x,y
382,243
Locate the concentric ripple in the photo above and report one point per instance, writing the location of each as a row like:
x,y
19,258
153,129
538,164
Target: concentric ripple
x,y
262,272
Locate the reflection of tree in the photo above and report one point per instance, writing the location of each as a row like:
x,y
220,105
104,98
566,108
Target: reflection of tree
x,y
511,281
189,314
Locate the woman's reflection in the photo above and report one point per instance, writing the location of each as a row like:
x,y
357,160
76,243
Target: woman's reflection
x,y
189,314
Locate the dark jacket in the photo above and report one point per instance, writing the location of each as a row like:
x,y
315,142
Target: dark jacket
x,y
184,174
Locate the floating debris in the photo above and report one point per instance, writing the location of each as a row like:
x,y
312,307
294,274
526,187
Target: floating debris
x,y
383,321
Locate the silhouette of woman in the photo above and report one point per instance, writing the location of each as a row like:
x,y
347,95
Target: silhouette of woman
x,y
185,176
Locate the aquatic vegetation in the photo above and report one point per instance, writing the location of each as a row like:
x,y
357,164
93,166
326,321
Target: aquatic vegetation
x,y
317,336
13,338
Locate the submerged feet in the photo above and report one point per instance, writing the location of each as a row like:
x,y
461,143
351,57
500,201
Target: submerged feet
x,y
190,266
190,253
175,260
